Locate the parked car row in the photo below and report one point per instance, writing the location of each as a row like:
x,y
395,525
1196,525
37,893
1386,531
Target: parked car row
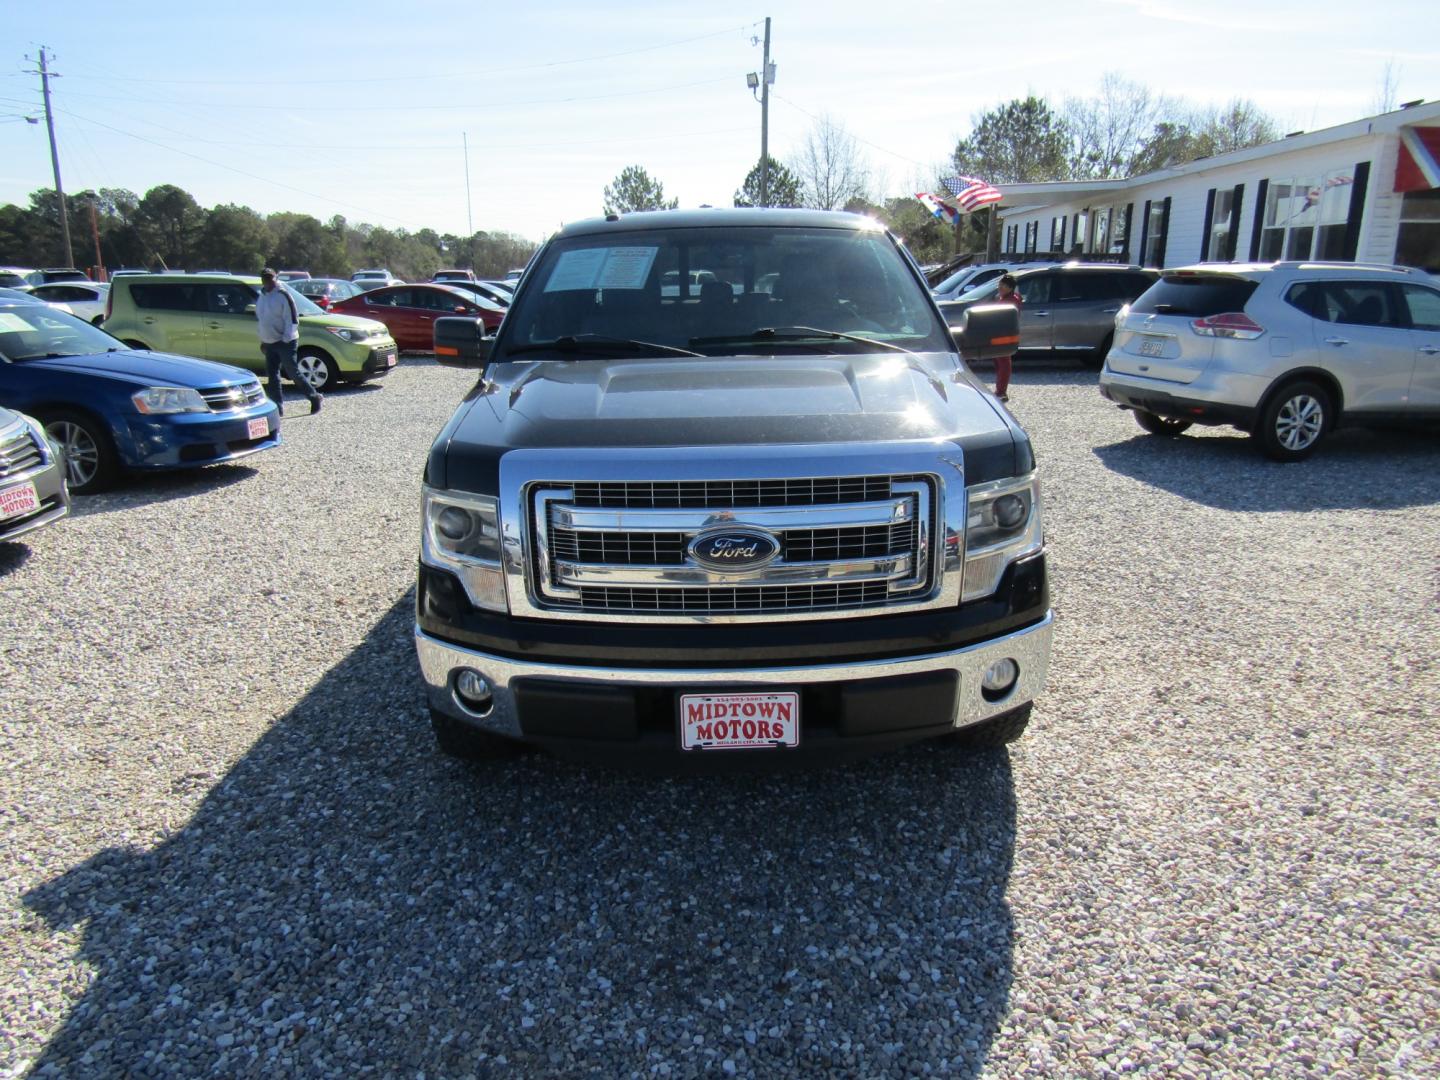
x,y
1288,352
170,381
212,316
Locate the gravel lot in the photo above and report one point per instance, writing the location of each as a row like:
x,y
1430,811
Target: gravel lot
x,y
229,846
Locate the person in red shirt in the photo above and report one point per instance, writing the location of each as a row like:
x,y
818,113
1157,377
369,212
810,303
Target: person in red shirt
x,y
1006,294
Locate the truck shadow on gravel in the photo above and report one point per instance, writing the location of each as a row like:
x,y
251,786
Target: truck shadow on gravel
x,y
1220,467
346,897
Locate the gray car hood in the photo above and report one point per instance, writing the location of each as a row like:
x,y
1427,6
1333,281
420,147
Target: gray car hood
x,y
719,401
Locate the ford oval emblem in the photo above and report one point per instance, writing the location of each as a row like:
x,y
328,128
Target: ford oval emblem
x,y
735,550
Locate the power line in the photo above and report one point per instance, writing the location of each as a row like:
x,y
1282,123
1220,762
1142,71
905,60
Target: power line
x,y
370,108
421,78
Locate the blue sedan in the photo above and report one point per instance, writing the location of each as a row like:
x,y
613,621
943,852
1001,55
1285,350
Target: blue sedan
x,y
110,408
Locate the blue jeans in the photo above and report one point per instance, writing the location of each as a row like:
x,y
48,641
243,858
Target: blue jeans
x,y
280,355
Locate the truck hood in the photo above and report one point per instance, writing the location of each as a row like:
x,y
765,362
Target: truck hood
x,y
787,399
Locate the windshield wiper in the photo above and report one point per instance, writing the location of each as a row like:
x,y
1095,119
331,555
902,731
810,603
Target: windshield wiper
x,y
781,333
599,343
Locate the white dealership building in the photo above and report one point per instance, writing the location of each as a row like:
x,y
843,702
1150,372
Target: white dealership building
x,y
1366,191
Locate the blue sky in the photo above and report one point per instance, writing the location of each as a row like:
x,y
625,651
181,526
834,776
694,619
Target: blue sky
x,y
359,108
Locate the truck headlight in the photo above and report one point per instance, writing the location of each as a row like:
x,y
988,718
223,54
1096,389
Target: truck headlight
x,y
169,399
461,533
1002,524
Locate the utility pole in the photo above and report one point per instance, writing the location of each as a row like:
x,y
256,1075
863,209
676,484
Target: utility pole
x,y
95,234
766,77
470,217
55,160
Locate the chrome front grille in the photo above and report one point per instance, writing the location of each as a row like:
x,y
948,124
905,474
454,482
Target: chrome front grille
x,y
624,547
227,398
693,494
18,452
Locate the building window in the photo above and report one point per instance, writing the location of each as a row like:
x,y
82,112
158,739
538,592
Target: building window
x,y
1306,217
1154,236
1100,239
1118,239
1032,236
1419,241
1057,233
1222,227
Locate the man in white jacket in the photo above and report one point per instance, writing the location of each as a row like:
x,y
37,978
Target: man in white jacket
x,y
279,323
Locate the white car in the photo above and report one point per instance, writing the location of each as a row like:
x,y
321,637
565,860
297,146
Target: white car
x,y
374,279
1286,351
18,277
972,277
86,299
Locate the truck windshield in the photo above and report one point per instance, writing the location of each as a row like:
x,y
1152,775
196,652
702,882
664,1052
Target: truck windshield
x,y
722,291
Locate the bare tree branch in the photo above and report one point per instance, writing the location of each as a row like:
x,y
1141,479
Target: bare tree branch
x,y
831,166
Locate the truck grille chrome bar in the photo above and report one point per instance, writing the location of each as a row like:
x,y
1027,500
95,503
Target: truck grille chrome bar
x,y
624,547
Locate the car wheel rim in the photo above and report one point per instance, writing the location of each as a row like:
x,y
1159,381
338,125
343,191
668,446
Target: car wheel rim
x,y
313,369
1299,421
82,455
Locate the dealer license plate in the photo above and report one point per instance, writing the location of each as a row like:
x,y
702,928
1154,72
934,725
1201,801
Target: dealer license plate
x,y
390,359
1152,347
754,721
18,500
258,428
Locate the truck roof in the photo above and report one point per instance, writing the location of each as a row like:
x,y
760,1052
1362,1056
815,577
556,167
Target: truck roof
x,y
725,217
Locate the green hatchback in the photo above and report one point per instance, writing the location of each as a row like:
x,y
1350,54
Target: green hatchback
x,y
212,316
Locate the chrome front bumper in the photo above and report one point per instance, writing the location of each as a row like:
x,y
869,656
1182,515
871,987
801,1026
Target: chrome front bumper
x,y
1029,648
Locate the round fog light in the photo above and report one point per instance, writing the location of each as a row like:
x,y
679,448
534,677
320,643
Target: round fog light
x,y
999,679
472,691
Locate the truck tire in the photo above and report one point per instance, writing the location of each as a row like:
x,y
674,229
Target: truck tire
x,y
1294,421
997,731
460,740
1160,425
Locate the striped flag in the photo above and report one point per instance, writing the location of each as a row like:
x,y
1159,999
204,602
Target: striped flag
x,y
947,214
971,193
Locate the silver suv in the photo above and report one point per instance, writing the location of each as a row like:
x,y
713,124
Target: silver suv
x,y
1287,351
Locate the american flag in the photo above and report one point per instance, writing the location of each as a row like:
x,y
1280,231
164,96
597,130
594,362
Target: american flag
x,y
947,214
971,193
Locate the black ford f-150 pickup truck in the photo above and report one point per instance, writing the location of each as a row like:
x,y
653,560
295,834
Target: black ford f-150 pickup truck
x,y
725,484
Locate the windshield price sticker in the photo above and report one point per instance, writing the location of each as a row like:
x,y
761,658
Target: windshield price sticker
x,y
18,500
602,268
758,721
627,268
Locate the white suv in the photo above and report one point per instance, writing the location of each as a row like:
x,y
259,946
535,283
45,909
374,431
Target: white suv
x,y
1286,351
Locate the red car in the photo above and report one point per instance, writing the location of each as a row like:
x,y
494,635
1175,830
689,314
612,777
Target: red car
x,y
410,311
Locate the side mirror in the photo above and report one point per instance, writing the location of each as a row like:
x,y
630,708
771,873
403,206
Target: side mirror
x,y
461,342
987,331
